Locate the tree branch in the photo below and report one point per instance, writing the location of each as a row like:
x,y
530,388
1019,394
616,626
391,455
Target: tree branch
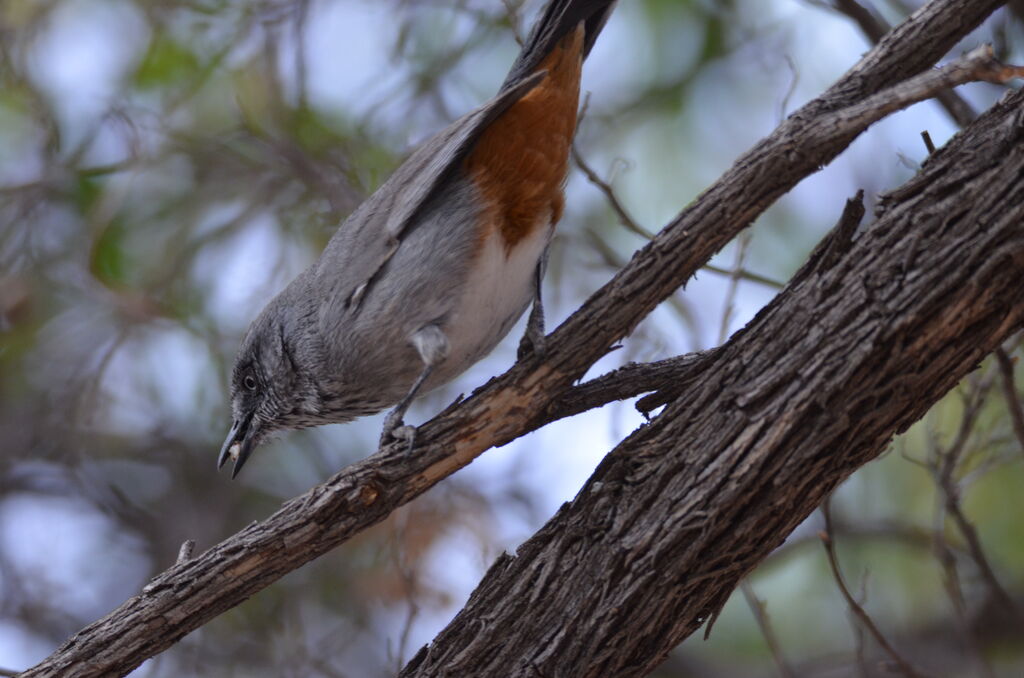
x,y
194,591
814,387
828,541
946,465
760,612
1013,404
874,28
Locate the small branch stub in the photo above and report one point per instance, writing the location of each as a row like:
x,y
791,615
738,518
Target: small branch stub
x,y
186,550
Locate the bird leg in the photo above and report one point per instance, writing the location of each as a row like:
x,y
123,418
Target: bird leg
x,y
394,428
432,345
533,339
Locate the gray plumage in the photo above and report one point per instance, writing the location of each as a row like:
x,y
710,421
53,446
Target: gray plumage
x,y
387,301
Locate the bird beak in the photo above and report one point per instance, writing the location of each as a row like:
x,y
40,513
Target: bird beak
x,y
239,445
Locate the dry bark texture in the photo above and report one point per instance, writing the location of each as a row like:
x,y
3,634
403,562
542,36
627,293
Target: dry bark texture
x,y
813,388
855,349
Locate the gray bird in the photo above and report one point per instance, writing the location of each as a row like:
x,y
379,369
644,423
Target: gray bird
x,y
435,267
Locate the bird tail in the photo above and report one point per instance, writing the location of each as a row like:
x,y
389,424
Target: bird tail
x,y
558,19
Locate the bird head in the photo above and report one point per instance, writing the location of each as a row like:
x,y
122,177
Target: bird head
x,y
273,383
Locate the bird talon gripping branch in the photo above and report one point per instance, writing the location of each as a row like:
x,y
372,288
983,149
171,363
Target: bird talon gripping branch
x,y
402,432
428,274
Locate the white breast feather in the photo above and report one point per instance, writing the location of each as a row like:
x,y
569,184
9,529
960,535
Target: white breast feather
x,y
499,287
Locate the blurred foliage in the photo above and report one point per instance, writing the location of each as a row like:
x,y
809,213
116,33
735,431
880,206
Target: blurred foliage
x,y
167,165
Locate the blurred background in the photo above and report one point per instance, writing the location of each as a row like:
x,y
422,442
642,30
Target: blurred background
x,y
166,166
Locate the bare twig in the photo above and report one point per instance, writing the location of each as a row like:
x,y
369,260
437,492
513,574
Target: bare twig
x,y
625,218
299,25
760,612
742,242
929,145
793,82
513,10
1013,402
979,65
409,581
951,583
908,536
827,540
859,646
616,261
185,552
945,467
743,274
633,226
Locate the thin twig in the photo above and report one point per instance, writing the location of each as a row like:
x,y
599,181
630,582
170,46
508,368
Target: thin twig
x,y
513,10
859,646
185,552
407,574
943,552
828,542
633,226
791,90
616,261
609,193
760,612
945,467
907,536
742,243
951,583
1013,403
744,275
928,143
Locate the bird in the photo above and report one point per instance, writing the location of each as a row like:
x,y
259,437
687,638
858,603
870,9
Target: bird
x,y
431,271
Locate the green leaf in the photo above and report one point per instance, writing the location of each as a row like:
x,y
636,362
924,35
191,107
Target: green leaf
x,y
166,62
109,260
311,131
87,190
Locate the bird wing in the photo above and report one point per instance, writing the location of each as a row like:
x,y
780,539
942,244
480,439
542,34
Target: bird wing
x,y
371,235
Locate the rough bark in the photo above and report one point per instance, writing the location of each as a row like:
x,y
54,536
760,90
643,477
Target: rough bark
x,y
539,389
848,355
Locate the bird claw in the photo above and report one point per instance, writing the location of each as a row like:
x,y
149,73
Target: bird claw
x,y
395,430
534,341
531,345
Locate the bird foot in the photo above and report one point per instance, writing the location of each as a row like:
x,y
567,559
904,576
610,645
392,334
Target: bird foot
x,y
396,430
533,343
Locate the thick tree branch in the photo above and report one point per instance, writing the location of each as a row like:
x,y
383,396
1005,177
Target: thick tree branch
x,y
194,591
814,387
629,381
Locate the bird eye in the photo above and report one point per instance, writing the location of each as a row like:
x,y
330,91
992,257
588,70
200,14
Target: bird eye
x,y
249,382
